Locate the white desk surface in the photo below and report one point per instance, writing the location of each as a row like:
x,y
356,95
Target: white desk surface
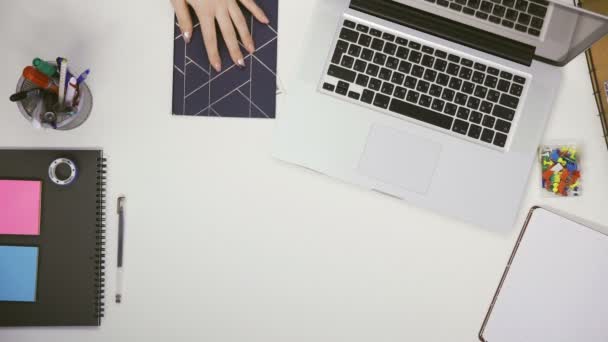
x,y
226,244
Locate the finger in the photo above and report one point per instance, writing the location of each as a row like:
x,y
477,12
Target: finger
x,y
183,18
223,19
210,40
256,11
241,26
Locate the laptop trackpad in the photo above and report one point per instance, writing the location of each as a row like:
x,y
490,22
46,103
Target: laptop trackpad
x,y
400,159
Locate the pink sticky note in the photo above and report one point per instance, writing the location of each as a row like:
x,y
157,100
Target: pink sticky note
x,y
20,207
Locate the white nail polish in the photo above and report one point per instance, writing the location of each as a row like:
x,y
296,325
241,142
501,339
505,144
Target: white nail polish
x,y
187,36
241,62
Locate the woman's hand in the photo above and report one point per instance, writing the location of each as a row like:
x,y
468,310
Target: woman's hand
x,y
228,15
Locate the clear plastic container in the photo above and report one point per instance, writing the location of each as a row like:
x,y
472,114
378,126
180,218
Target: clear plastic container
x,y
561,170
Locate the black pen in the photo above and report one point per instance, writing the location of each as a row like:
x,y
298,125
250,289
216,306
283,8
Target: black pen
x,y
121,237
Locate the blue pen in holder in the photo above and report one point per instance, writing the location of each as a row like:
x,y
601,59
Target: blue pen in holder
x,y
65,119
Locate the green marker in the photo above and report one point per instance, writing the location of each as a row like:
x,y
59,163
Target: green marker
x,y
45,68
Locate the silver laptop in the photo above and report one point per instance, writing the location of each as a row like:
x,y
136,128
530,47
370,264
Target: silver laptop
x,y
441,103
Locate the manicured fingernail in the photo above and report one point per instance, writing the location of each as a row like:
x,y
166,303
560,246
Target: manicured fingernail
x,y
241,63
217,67
265,20
250,47
187,37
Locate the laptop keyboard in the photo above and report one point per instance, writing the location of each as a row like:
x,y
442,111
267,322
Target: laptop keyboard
x,y
526,16
453,93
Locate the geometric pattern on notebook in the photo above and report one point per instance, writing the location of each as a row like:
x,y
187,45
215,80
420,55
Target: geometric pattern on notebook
x,y
250,92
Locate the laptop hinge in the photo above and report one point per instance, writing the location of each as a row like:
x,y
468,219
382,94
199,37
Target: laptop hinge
x,y
447,29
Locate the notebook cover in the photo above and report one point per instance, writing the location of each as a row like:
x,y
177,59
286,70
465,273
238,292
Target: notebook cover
x,y
20,207
70,268
198,90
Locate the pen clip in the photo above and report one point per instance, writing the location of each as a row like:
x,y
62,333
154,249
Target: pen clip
x,y
121,204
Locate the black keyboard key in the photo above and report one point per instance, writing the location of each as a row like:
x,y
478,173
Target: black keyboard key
x,y
486,107
465,73
502,126
443,79
476,117
428,61
516,90
512,14
349,24
467,62
410,82
499,11
417,70
398,78
487,135
428,49
504,86
521,5
468,88
347,62
337,57
438,105
400,92
490,82
341,90
349,35
473,103
534,32
508,23
503,112
441,54
377,44
448,94
375,33
461,99
381,101
341,73
430,75
367,55
375,84
415,57
494,19
329,87
402,52
537,10
362,28
486,6
509,101
468,11
388,36
488,121
519,79
392,63
481,91
360,66
455,6
372,70
414,45
435,90
480,67
453,69
493,96
365,40
425,101
454,58
474,132
463,113
405,67
493,71
440,65
461,127
354,95
482,15
450,109
354,50
342,46
385,74
362,80
379,58
390,48
422,114
401,41
537,23
387,88
423,86
500,140
524,19
455,83
368,96
506,75
413,96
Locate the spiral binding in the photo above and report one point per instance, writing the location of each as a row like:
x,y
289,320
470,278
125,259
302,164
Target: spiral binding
x,y
100,249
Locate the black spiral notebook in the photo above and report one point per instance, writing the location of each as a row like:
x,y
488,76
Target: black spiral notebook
x,y
52,275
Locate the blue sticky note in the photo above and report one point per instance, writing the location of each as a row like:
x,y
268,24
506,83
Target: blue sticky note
x,y
18,273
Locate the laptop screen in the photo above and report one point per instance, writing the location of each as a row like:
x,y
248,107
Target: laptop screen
x,y
557,29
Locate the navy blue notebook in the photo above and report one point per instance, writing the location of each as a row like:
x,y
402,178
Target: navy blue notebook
x,y
198,90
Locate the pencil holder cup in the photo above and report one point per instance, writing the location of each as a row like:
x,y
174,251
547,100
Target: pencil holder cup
x,y
41,109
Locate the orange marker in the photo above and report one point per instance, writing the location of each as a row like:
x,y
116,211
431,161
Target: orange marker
x,y
43,81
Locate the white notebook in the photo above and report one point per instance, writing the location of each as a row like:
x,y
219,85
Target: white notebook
x,y
555,288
